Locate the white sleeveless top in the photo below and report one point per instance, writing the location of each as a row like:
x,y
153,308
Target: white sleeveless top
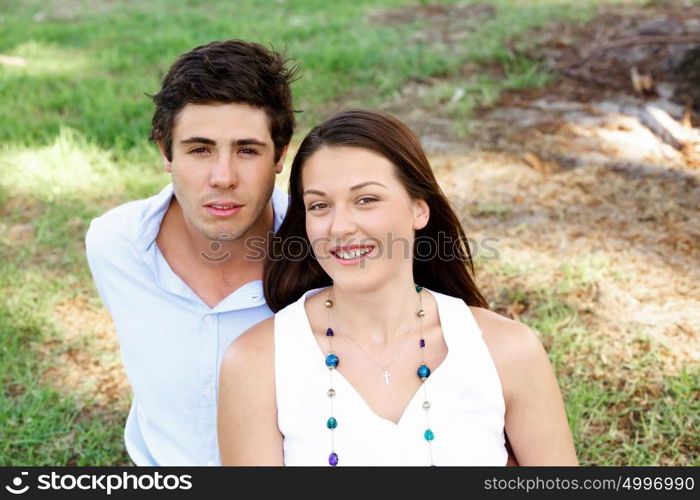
x,y
466,415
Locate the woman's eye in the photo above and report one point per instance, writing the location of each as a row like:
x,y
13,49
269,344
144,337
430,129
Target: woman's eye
x,y
317,206
365,201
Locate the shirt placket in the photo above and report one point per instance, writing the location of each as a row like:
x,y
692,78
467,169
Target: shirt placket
x,y
208,372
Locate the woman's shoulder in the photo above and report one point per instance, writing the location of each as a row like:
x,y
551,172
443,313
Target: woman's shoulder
x,y
515,348
256,343
498,329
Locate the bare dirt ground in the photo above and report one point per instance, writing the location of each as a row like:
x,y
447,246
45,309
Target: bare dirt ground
x,y
557,175
579,168
600,172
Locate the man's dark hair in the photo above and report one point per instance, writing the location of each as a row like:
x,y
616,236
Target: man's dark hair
x,y
233,71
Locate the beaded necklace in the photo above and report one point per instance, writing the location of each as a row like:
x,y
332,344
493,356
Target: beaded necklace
x,y
423,372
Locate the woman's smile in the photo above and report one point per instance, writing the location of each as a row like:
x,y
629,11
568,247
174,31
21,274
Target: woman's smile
x,y
352,254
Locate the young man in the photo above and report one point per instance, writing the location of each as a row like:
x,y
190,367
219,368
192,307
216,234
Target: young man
x,y
180,272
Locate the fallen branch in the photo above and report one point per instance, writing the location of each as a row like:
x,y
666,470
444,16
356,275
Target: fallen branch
x,y
663,125
642,40
588,77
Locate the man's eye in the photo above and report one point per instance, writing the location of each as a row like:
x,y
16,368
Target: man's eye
x,y
249,151
199,151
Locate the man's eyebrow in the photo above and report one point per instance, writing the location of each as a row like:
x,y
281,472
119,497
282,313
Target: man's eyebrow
x,y
354,188
211,142
249,142
198,140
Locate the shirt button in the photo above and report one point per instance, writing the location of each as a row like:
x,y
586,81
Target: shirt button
x,y
207,392
209,320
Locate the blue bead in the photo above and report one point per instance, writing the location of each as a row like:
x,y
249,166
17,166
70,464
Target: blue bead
x,y
332,361
333,459
423,372
332,423
329,333
422,343
428,435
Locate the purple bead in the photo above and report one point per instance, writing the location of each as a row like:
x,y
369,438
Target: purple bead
x,y
333,459
422,343
329,333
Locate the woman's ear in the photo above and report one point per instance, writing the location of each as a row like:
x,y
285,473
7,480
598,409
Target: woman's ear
x,y
421,214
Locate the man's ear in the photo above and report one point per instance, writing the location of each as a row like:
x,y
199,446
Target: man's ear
x,y
280,163
167,164
421,214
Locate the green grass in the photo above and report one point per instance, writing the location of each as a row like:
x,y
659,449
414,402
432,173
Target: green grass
x,y
621,412
41,424
72,144
88,63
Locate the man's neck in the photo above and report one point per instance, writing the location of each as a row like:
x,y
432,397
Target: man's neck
x,y
213,269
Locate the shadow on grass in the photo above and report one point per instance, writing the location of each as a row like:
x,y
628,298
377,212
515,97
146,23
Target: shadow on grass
x,y
42,426
48,419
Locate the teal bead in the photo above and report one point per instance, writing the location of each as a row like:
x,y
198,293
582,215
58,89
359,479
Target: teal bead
x,y
332,361
332,423
423,372
419,288
428,435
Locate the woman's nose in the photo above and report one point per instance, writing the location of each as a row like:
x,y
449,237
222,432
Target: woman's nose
x,y
343,222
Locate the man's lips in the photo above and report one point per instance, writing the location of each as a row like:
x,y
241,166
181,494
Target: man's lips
x,y
223,204
222,208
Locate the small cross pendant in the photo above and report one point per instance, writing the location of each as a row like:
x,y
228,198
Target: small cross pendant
x,y
386,376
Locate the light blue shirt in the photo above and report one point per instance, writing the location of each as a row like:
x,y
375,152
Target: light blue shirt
x,y
171,342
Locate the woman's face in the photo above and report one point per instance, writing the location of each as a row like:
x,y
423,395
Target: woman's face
x,y
360,219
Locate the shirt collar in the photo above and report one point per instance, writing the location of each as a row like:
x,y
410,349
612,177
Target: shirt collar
x,y
280,204
148,229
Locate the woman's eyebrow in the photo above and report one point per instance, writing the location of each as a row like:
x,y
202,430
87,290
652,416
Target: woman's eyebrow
x,y
363,184
354,188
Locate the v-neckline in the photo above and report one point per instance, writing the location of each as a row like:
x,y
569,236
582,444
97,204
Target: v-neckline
x,y
322,359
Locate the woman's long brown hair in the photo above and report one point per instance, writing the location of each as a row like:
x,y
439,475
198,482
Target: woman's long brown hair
x,y
292,269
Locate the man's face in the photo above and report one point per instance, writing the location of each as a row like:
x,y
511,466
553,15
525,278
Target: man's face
x,y
223,168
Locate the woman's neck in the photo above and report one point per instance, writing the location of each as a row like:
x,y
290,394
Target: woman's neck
x,y
380,316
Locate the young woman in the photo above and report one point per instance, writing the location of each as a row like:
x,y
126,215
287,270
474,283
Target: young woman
x,y
382,351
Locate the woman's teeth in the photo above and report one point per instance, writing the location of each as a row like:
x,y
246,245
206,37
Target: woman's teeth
x,y
352,254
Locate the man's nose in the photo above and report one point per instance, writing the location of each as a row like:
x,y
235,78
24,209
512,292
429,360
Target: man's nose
x,y
224,174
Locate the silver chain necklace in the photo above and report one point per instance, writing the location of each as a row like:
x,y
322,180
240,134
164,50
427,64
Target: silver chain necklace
x,y
386,374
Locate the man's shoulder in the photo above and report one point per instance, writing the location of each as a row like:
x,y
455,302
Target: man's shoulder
x,y
127,213
119,226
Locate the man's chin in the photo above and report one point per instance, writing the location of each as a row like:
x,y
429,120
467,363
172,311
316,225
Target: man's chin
x,y
223,236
